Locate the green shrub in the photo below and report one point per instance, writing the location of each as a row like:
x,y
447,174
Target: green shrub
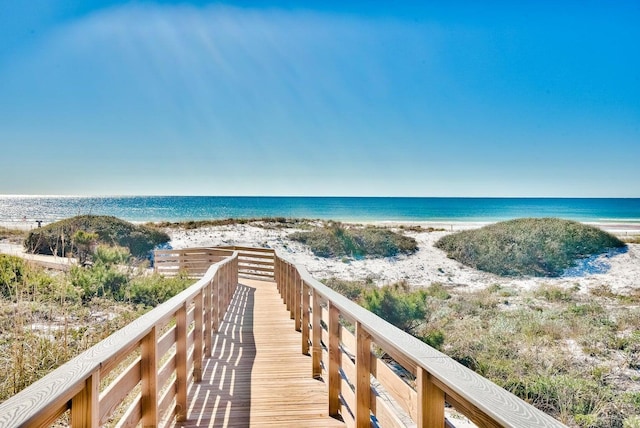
x,y
554,293
12,271
57,238
530,246
405,309
336,240
352,290
99,280
111,255
155,289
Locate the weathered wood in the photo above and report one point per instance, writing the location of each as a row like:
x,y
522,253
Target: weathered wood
x,y
363,375
306,308
316,332
334,360
199,339
181,363
132,415
384,414
118,390
298,300
208,323
404,395
84,405
149,373
430,401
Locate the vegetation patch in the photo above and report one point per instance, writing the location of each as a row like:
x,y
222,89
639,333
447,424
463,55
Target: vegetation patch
x,y
266,222
47,318
337,240
529,246
70,236
11,234
573,355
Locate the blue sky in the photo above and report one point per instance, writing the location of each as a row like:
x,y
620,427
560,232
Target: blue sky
x,y
451,98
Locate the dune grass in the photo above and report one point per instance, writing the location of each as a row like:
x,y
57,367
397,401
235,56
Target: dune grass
x,y
12,234
337,240
572,354
58,238
266,222
46,318
530,246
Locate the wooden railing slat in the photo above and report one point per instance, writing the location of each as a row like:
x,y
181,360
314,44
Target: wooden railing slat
x,y
119,389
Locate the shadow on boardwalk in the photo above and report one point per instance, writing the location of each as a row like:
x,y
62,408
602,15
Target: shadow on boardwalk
x,y
257,375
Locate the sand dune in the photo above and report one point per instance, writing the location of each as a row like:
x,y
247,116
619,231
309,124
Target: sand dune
x,y
620,271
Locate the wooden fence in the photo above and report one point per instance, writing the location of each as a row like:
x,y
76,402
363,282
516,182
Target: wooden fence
x,y
141,373
252,262
193,262
347,342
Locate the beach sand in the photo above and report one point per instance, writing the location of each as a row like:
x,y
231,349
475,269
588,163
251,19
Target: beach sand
x,y
620,271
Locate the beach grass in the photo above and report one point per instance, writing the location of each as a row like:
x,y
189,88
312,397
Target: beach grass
x,y
543,247
572,354
58,238
12,234
335,239
265,222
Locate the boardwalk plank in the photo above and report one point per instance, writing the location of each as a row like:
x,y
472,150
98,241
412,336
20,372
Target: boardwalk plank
x,y
257,376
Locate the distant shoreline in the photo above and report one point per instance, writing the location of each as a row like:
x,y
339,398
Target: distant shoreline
x,y
345,209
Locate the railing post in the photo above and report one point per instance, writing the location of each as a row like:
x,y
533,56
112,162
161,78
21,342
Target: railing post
x,y
181,363
281,279
430,401
298,299
287,290
149,373
292,292
85,404
305,317
235,273
215,315
198,342
334,360
363,377
208,322
316,331
223,294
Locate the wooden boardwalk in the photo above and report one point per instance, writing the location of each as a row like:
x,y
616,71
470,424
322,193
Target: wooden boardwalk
x,y
257,376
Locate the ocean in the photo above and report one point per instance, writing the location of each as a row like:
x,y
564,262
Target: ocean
x,y
179,208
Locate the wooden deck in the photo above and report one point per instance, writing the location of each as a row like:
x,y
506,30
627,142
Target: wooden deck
x,y
260,376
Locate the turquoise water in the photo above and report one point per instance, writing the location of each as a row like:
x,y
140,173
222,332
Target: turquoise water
x,y
177,208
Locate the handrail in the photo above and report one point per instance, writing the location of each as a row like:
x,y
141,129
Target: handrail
x,y
346,362
140,346
358,381
252,262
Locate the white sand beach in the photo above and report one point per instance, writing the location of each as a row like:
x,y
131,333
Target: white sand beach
x,y
619,271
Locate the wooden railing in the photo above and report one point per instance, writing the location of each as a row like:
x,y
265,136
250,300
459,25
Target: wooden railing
x,y
141,373
252,262
346,343
193,262
256,263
